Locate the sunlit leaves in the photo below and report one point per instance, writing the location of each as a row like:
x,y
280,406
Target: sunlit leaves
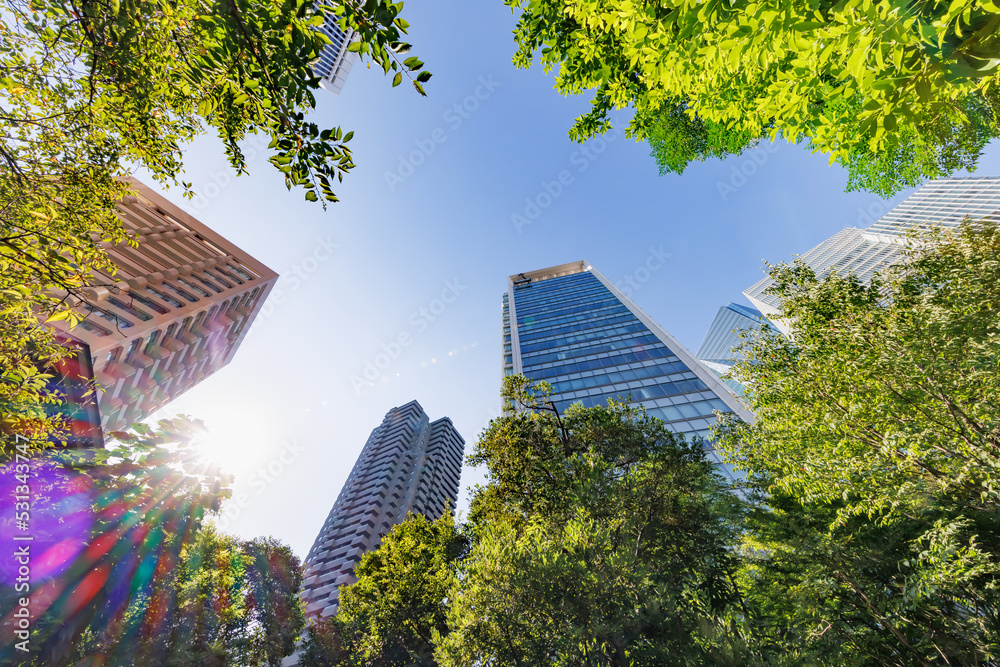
x,y
134,505
877,86
876,438
395,612
380,30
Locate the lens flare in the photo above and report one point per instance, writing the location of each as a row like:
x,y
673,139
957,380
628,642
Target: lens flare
x,y
92,552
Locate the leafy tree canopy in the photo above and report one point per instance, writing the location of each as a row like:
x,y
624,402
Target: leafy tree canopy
x,y
105,520
126,571
601,539
876,445
895,92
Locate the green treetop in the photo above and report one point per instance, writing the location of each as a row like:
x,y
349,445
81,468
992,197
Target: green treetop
x,y
897,92
600,539
876,445
395,612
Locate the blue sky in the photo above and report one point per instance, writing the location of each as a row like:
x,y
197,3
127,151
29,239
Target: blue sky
x,y
438,204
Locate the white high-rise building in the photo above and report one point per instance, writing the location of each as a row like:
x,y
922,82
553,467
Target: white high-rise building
x,y
944,203
335,61
849,250
409,464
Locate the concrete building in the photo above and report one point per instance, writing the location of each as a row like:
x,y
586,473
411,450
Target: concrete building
x,y
73,380
572,327
335,61
944,202
175,311
409,464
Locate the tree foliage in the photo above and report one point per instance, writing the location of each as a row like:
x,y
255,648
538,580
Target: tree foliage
x,y
678,138
876,440
895,92
323,644
865,532
104,521
396,610
92,91
275,618
228,602
601,539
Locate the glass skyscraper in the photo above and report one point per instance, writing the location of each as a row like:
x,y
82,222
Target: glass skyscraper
x,y
719,349
570,326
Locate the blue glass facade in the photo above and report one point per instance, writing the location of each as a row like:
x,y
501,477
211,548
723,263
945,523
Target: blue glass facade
x,y
719,351
577,332
723,337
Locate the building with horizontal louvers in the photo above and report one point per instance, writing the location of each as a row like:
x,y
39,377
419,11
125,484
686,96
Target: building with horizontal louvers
x,y
335,61
944,203
174,312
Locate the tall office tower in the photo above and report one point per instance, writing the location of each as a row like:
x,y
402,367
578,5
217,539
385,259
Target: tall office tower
x,y
175,312
944,202
572,327
719,350
335,61
409,464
